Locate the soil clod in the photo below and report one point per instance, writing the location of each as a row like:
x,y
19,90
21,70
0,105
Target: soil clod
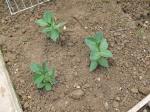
x,y
77,94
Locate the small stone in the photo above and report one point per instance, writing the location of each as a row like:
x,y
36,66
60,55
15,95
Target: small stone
x,y
29,97
66,103
20,92
117,98
64,28
98,79
76,86
146,22
75,73
26,105
144,90
134,90
86,86
117,33
24,31
78,60
2,21
86,27
115,104
75,67
77,94
140,77
106,106
16,27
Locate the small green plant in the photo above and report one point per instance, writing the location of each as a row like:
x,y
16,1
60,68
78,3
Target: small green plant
x,y
44,78
99,50
51,28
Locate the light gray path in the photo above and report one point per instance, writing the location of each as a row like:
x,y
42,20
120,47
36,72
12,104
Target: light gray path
x,y
8,99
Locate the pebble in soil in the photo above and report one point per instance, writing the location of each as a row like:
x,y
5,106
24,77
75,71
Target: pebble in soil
x,y
77,94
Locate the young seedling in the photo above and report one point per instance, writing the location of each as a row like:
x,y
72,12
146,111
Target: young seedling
x,y
99,51
51,28
44,78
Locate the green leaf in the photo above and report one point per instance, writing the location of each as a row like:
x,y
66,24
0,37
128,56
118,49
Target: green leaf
x,y
40,85
41,22
103,62
99,36
36,68
46,77
48,16
46,30
52,71
91,43
93,65
106,53
59,25
48,87
45,67
54,34
39,79
104,44
36,76
52,75
94,55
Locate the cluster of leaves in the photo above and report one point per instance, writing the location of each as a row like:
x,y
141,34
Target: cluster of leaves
x,y
52,29
43,76
99,50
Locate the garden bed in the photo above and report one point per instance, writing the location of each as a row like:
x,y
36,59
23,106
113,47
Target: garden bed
x,y
115,89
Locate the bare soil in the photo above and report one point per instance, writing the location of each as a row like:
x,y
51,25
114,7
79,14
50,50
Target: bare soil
x,y
115,89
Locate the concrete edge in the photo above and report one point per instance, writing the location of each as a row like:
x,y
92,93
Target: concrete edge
x,y
8,84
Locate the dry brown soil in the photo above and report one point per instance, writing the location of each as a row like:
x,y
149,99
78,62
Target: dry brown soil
x,y
126,25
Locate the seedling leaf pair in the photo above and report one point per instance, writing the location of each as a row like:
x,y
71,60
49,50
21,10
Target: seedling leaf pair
x,y
99,51
51,28
43,76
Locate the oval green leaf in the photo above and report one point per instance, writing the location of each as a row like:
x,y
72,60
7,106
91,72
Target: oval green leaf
x,y
106,53
94,55
48,87
104,44
39,79
41,22
48,16
93,65
103,62
99,36
54,34
91,43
